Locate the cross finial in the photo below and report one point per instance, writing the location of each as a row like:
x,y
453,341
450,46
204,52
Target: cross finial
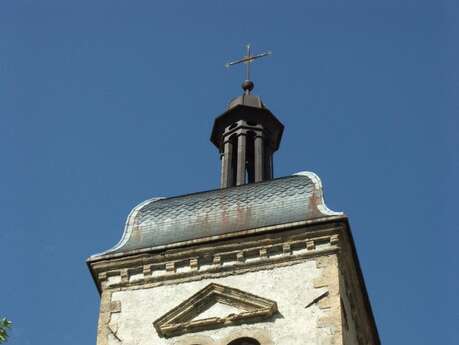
x,y
247,85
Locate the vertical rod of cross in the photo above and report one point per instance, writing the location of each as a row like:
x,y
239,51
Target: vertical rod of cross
x,y
248,61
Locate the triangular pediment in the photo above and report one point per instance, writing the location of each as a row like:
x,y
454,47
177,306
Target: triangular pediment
x,y
220,310
213,307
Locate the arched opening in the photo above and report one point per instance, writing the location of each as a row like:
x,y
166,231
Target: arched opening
x,y
233,163
268,162
244,341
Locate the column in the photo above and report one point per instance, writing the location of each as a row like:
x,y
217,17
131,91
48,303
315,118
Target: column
x,y
222,169
241,150
227,169
258,148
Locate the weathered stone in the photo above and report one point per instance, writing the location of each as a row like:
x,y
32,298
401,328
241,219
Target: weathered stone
x,y
316,288
289,286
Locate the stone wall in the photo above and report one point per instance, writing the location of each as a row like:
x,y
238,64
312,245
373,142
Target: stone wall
x,y
293,288
308,279
357,318
349,322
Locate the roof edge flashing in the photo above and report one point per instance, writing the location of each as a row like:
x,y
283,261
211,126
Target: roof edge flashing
x,y
129,225
319,189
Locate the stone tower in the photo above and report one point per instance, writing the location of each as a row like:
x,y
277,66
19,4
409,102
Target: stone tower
x,y
260,261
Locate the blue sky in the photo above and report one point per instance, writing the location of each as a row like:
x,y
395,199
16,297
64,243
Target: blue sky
x,y
106,103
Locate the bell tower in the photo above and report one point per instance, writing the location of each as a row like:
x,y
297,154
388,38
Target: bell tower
x,y
259,261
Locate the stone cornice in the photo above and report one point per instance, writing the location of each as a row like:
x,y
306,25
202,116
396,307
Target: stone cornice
x,y
233,256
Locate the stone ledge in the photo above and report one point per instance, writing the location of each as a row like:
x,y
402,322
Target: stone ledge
x,y
255,257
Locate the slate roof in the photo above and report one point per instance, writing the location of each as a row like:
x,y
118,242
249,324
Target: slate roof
x,y
164,222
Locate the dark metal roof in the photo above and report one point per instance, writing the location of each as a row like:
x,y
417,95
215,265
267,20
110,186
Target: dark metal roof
x,y
249,108
247,100
159,223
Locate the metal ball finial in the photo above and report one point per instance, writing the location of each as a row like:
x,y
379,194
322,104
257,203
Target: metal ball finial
x,y
247,85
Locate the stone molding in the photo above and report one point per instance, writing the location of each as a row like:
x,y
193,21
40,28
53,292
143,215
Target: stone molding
x,y
183,318
230,257
260,335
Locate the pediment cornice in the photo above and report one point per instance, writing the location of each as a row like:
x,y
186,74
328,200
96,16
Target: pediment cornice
x,y
184,318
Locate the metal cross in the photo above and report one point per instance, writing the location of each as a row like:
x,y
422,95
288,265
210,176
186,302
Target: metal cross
x,y
248,60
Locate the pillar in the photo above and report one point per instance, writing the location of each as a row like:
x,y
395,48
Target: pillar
x,y
258,146
227,168
241,158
